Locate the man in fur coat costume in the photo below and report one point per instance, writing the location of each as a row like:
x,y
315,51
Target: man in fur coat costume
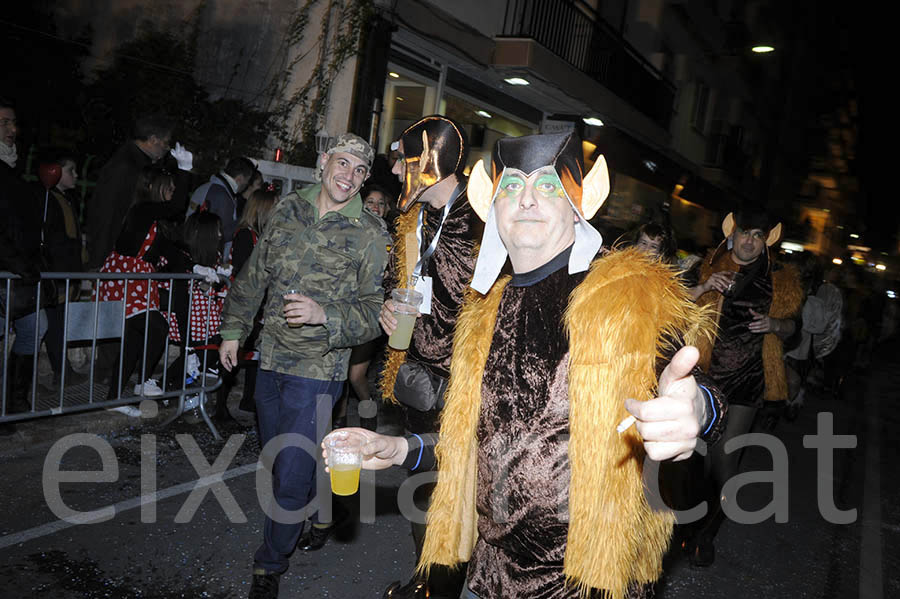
x,y
538,488
756,301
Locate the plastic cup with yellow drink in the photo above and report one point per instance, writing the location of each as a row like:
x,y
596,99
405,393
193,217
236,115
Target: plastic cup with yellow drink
x,y
406,309
344,457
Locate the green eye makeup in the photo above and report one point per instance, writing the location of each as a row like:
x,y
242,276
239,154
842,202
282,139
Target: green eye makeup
x,y
512,185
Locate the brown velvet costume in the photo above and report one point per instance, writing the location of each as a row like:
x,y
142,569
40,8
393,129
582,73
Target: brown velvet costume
x,y
748,367
538,379
450,269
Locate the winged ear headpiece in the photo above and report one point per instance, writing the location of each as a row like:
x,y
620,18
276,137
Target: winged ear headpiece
x,y
748,220
585,193
433,149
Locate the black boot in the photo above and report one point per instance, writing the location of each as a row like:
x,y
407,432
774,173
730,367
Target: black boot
x,y
247,402
445,582
19,375
416,588
221,414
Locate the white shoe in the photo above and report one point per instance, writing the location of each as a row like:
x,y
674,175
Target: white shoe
x,y
150,388
130,411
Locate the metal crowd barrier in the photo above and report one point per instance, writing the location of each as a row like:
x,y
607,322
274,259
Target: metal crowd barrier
x,y
92,320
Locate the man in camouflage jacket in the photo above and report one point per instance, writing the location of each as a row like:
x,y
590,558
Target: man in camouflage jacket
x,y
322,244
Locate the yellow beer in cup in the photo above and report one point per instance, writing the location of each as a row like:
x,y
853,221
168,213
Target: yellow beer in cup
x,y
406,308
345,479
344,462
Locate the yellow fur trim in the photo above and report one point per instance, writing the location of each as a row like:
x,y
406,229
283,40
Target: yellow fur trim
x,y
404,225
787,300
452,531
625,314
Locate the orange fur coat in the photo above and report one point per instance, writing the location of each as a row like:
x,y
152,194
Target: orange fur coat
x,y
626,312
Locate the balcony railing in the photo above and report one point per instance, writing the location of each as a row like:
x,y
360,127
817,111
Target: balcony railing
x,y
572,31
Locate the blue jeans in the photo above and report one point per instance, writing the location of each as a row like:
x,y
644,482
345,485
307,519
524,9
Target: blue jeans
x,y
287,404
25,327
468,594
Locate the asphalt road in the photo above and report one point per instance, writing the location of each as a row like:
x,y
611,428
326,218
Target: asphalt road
x,y
207,552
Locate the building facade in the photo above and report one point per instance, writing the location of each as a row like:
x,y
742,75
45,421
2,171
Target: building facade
x,y
663,88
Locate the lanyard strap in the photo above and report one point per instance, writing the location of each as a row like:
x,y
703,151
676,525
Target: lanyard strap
x,y
422,262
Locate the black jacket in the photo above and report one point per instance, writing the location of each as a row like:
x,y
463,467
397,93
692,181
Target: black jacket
x,y
112,197
63,252
20,233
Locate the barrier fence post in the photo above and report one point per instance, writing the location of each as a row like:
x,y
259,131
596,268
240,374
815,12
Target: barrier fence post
x,y
36,346
122,342
6,344
65,351
94,341
166,348
146,332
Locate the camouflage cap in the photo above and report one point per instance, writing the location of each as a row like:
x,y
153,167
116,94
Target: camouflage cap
x,y
355,145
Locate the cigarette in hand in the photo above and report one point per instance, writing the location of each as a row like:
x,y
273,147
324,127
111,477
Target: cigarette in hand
x,y
626,424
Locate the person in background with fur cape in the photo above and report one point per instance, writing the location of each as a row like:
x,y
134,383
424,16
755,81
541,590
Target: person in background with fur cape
x,y
756,302
538,488
435,246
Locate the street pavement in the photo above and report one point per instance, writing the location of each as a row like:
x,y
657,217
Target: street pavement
x,y
208,552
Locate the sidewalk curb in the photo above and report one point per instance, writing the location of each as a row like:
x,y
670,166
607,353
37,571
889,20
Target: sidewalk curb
x,y
44,432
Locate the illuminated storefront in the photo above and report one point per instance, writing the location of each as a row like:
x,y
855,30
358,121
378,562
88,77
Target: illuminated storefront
x,y
412,91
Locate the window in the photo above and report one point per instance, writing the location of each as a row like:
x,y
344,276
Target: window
x,y
406,100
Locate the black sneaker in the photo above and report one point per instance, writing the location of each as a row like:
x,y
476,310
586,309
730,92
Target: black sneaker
x,y
314,537
265,585
704,553
416,588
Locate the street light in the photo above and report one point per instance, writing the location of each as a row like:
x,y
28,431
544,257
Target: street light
x,y
762,49
323,140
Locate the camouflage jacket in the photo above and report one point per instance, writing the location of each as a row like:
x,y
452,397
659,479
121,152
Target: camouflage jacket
x,y
337,260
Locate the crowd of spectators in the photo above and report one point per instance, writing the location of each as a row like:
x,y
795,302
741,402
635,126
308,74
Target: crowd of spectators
x,y
146,214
